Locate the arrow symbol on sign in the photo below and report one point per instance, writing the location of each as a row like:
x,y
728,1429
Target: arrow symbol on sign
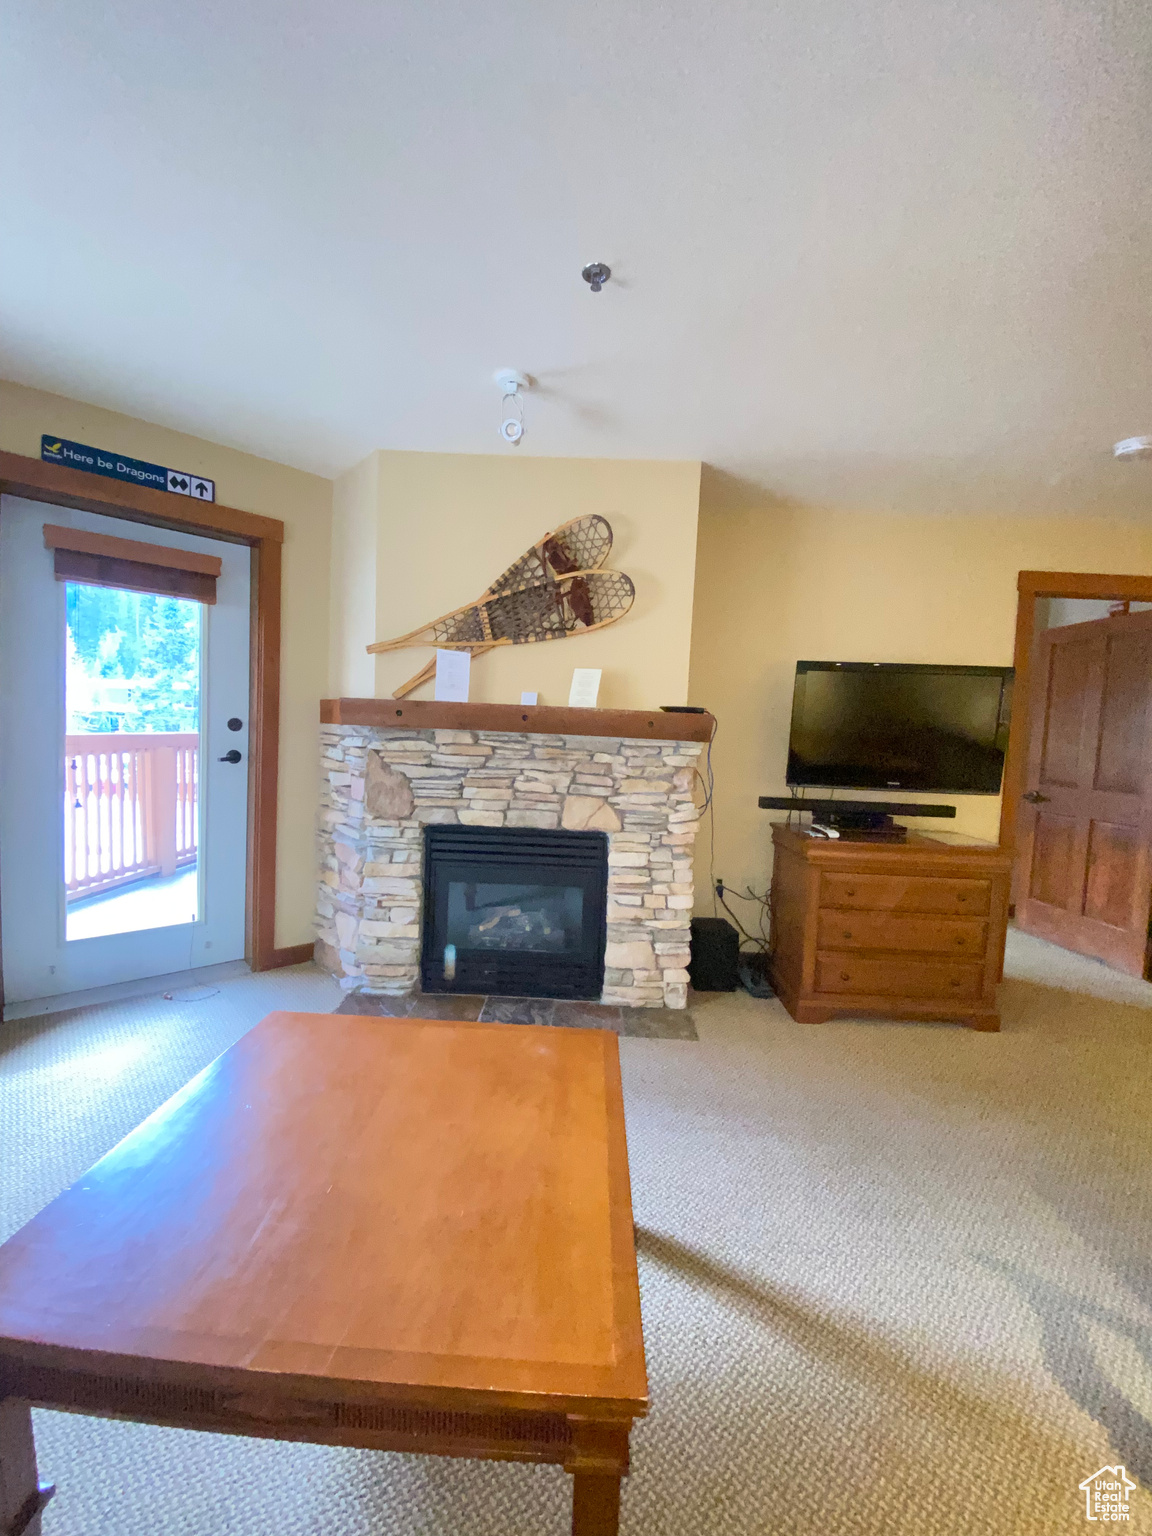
x,y
200,488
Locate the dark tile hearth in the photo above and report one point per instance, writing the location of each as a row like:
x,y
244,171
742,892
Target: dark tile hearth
x,y
641,1023
432,1005
518,1010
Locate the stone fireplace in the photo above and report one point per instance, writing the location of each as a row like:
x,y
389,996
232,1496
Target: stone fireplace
x,y
391,768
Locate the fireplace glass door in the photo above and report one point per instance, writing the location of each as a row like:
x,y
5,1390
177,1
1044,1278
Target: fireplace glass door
x,y
542,919
515,911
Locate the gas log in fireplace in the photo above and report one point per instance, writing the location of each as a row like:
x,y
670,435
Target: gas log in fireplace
x,y
514,911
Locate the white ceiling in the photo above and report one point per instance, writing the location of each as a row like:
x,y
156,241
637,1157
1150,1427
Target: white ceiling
x,y
865,252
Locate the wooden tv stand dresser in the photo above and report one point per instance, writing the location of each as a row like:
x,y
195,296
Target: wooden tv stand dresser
x,y
909,930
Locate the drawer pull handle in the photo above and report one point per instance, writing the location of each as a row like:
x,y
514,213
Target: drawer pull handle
x,y
849,890
960,896
961,940
845,976
847,935
953,982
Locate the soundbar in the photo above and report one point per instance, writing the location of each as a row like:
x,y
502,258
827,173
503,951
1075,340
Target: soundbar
x,y
863,815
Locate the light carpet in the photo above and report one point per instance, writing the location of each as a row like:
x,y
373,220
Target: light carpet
x,y
896,1277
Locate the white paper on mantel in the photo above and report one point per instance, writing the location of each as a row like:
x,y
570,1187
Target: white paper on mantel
x,y
453,670
529,698
585,687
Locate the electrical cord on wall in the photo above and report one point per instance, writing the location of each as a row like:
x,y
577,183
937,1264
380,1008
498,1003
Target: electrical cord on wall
x,y
754,967
762,941
708,779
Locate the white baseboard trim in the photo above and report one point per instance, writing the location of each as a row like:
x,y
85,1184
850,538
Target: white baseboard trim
x,y
145,986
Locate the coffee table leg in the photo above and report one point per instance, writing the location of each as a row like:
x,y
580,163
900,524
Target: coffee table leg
x,y
21,1496
595,1503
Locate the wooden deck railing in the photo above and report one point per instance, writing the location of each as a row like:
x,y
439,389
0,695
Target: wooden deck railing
x,y
130,803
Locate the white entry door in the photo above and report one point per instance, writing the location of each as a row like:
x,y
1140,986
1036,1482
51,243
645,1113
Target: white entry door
x,y
123,765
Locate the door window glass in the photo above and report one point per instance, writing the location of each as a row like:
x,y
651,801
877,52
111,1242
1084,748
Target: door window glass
x,y
131,760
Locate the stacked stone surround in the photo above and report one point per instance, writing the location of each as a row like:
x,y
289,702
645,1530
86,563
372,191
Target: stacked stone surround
x,y
383,785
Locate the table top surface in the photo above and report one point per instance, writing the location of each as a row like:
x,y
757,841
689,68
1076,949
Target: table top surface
x,y
441,1208
936,842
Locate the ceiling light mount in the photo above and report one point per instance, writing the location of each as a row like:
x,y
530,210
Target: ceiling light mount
x,y
596,274
1133,448
511,382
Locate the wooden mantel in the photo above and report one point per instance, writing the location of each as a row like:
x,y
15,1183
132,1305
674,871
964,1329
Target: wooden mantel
x,y
527,719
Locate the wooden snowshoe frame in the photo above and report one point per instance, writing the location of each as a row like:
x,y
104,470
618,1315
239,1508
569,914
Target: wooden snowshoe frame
x,y
555,589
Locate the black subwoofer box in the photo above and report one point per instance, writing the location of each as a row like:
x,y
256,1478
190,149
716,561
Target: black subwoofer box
x,y
715,955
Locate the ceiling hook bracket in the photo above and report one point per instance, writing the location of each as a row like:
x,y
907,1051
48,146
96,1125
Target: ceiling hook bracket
x,y
596,274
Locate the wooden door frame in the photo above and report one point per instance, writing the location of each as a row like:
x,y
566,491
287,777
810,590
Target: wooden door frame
x,y
59,486
1032,586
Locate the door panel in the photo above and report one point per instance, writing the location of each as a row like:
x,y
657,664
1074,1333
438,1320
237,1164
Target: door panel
x,y
1084,844
1120,764
40,960
1053,847
1069,672
1113,863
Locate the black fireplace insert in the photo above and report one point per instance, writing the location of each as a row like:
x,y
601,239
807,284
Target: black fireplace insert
x,y
518,911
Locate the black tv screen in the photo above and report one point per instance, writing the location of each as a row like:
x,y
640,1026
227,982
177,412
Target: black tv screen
x,y
866,725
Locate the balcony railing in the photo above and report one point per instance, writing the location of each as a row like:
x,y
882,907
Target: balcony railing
x,y
130,807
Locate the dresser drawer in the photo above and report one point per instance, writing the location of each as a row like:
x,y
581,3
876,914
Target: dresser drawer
x,y
906,893
895,976
962,936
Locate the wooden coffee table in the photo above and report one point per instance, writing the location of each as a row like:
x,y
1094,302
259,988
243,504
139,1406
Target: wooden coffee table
x,y
400,1234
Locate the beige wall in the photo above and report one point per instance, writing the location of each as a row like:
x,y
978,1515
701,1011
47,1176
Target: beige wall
x,y
403,537
777,583
447,524
352,602
303,503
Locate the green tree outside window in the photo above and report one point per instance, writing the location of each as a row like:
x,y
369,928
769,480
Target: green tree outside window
x,y
133,660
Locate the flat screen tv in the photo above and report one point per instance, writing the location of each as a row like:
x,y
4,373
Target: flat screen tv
x,y
879,725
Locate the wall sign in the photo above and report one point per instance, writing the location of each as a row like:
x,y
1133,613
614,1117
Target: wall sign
x,y
98,461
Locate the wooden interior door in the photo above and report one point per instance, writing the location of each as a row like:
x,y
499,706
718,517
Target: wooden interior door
x,y
1085,874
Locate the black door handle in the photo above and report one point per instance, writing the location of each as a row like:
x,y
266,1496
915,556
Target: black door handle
x,y
230,757
1034,797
